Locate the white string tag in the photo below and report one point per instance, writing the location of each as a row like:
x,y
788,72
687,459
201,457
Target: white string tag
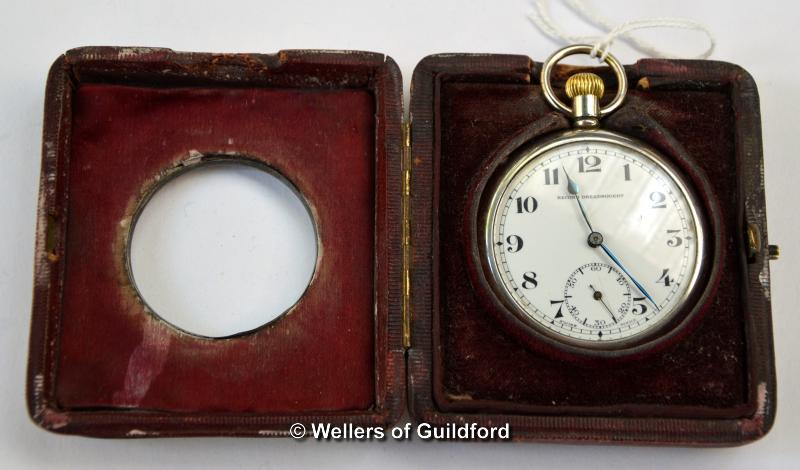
x,y
540,16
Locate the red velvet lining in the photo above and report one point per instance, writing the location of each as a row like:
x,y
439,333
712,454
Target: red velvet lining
x,y
320,356
485,368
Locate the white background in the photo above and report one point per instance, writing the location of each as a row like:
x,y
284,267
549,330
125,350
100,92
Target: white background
x,y
218,233
757,35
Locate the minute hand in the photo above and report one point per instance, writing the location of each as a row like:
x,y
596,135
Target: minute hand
x,y
575,190
619,263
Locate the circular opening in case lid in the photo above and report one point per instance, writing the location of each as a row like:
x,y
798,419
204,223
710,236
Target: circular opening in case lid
x,y
223,249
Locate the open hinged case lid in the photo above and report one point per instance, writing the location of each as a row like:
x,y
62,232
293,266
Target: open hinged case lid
x,y
389,285
118,121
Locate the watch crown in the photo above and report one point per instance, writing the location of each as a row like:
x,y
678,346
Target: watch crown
x,y
585,83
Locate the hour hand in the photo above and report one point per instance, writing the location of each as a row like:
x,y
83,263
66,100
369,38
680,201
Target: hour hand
x,y
572,186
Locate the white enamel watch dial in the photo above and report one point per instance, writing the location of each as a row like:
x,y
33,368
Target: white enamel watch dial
x,y
593,239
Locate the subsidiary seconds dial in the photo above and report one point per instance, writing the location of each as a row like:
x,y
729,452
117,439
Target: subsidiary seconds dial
x,y
593,239
596,284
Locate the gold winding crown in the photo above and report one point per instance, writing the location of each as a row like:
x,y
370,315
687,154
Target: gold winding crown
x,y
585,83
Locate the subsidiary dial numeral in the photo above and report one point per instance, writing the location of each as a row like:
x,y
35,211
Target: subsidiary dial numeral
x,y
514,243
590,164
527,205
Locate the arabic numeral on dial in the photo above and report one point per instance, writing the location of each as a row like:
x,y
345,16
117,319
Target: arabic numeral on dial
x,y
658,199
665,279
590,164
551,176
560,304
627,168
675,240
514,243
529,280
527,204
639,307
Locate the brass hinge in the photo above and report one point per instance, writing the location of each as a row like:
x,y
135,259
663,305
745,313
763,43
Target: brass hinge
x,y
406,161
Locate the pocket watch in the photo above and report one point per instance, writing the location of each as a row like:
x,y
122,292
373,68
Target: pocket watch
x,y
593,240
